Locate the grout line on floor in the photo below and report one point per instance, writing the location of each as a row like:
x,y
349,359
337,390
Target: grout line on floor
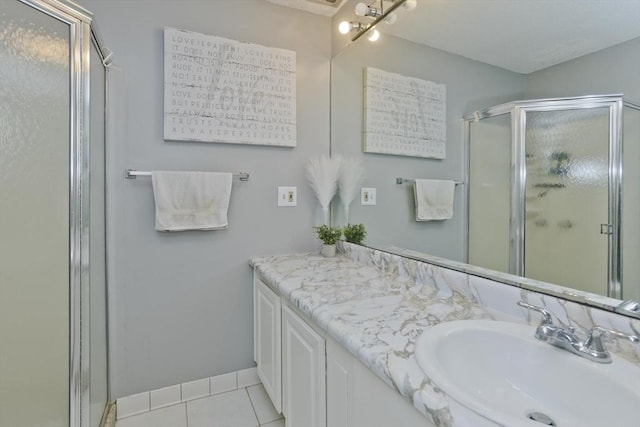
x,y
246,390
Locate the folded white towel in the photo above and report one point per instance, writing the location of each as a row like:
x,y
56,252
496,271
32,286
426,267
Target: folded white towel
x,y
434,199
191,200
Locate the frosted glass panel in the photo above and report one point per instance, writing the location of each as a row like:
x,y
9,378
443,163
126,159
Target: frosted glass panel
x,y
97,280
567,198
34,218
489,192
631,206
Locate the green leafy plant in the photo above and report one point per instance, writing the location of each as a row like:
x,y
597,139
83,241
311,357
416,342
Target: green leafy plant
x,y
355,233
328,235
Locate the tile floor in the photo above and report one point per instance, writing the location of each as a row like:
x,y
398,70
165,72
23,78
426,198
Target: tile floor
x,y
245,407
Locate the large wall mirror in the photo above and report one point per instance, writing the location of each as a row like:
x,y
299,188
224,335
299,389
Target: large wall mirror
x,y
492,56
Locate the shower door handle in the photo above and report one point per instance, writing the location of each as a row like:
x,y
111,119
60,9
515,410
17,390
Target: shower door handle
x,y
606,229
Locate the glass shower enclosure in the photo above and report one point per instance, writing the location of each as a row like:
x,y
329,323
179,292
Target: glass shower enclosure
x,y
53,322
548,198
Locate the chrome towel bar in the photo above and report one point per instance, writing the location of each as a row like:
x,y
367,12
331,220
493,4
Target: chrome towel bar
x,y
132,174
407,180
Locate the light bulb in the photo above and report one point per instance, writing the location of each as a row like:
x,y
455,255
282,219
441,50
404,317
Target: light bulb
x,y
391,18
375,35
344,27
362,9
410,4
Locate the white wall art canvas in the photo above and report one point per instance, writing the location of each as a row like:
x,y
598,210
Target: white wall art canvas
x,y
404,116
221,90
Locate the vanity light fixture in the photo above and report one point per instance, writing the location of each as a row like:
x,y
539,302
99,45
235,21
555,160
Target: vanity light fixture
x,y
345,27
363,9
374,35
378,14
391,18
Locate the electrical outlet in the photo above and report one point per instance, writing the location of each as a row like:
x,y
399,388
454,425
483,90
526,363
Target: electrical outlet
x,y
368,196
287,196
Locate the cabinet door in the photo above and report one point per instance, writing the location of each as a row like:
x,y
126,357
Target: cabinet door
x,y
303,373
339,385
356,397
267,344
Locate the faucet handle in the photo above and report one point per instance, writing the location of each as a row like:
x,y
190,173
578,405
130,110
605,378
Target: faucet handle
x,y
546,315
594,347
594,340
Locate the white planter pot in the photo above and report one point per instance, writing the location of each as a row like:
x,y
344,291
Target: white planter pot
x,y
328,251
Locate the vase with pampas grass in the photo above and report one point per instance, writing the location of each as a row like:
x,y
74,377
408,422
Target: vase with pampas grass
x,y
323,173
351,177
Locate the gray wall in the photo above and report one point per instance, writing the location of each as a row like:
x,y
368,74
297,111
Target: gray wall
x,y
470,85
612,70
181,303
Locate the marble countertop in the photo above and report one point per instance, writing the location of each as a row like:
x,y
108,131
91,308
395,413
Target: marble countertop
x,y
376,312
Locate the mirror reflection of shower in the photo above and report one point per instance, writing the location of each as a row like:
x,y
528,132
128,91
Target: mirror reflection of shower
x,y
547,199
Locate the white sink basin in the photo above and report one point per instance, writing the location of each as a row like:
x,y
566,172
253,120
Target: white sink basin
x,y
502,373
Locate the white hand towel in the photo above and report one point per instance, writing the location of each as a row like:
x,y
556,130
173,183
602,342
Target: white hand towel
x,y
434,199
191,200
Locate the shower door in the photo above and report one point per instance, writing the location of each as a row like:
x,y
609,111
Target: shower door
x,y
53,343
567,197
545,191
630,222
489,189
35,110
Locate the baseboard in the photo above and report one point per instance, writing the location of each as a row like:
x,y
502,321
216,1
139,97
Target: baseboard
x,y
154,399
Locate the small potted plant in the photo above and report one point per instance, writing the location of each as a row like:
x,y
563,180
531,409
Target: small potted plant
x,y
329,237
355,233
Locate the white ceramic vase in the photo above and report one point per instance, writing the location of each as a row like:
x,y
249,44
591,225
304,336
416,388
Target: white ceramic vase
x,y
328,251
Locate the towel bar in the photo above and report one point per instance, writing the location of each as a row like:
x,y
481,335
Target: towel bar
x,y
407,180
132,174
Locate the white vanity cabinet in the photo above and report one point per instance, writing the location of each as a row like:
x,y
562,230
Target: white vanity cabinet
x,y
356,397
266,340
303,373
312,379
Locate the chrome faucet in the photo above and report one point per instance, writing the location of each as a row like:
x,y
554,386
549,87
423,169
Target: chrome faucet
x,y
591,348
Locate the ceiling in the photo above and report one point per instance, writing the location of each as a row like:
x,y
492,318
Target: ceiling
x,y
320,7
518,35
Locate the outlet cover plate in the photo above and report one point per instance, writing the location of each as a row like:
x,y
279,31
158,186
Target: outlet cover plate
x,y
368,196
287,196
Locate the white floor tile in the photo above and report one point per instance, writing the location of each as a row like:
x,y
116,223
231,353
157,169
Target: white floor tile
x,y
262,404
248,377
231,409
171,416
279,423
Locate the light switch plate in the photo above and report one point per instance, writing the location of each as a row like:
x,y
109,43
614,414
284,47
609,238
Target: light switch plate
x,y
368,196
287,196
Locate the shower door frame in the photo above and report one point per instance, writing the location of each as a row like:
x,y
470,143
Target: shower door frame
x,y
82,33
518,111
